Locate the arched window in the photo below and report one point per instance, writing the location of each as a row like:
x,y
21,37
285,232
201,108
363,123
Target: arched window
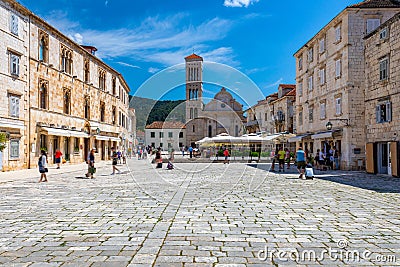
x,y
114,86
236,130
43,95
87,107
66,60
196,93
209,131
102,79
195,113
102,111
87,71
67,101
191,113
194,129
43,48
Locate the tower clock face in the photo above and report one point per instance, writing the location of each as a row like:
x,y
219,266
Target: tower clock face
x,y
222,105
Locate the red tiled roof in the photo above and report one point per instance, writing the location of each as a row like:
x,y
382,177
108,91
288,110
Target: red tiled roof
x,y
193,56
166,125
377,4
288,86
292,92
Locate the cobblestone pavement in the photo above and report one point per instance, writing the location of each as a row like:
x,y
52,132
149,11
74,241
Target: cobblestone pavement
x,y
197,215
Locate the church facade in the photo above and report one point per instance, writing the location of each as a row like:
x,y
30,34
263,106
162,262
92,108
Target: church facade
x,y
223,114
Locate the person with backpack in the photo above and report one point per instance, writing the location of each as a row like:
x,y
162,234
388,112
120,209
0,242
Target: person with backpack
x,y
42,163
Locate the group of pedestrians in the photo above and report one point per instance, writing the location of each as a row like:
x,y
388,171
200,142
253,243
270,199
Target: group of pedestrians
x,y
282,156
116,157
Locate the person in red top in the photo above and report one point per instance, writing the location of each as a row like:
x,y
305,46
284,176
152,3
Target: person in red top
x,y
226,154
58,155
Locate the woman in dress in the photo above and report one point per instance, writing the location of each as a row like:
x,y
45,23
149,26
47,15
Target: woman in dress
x,y
90,162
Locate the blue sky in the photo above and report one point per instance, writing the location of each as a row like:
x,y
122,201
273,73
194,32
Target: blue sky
x,y
141,37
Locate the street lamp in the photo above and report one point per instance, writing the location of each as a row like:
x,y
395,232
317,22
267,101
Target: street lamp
x,y
329,126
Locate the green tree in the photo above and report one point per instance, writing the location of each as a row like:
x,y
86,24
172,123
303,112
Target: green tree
x,y
3,140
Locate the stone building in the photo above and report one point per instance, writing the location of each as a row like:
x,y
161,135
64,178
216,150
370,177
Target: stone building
x,y
223,114
68,98
275,113
382,98
167,135
330,84
14,108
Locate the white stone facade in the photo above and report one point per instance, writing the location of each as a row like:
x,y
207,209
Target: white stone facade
x,y
68,98
167,135
382,98
330,85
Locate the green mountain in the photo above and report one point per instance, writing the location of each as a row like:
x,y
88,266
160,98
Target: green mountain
x,y
150,110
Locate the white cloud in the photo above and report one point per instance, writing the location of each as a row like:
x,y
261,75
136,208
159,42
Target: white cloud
x,y
128,65
153,70
159,40
239,3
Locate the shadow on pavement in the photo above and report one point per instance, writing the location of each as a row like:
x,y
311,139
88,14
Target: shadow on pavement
x,y
379,184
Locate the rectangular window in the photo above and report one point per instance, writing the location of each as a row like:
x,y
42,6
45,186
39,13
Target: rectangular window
x,y
322,45
14,106
384,112
338,33
372,24
14,64
76,144
181,135
310,83
153,134
338,68
383,69
300,62
14,24
300,87
169,145
14,148
153,144
170,134
338,102
323,110
322,76
310,113
161,135
301,117
383,34
161,145
310,54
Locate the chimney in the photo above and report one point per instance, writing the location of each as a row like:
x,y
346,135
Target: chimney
x,y
91,49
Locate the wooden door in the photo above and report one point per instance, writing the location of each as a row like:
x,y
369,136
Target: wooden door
x,y
395,158
370,160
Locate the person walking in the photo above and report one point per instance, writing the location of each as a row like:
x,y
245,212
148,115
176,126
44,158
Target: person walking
x,y
90,162
42,163
301,162
281,159
183,151
274,155
226,154
114,157
191,152
119,156
58,155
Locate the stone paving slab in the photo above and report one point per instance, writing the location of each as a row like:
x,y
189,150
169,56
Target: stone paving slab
x,y
198,214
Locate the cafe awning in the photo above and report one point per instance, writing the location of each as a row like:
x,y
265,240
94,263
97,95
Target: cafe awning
x,y
78,134
102,137
322,135
57,132
115,139
297,138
